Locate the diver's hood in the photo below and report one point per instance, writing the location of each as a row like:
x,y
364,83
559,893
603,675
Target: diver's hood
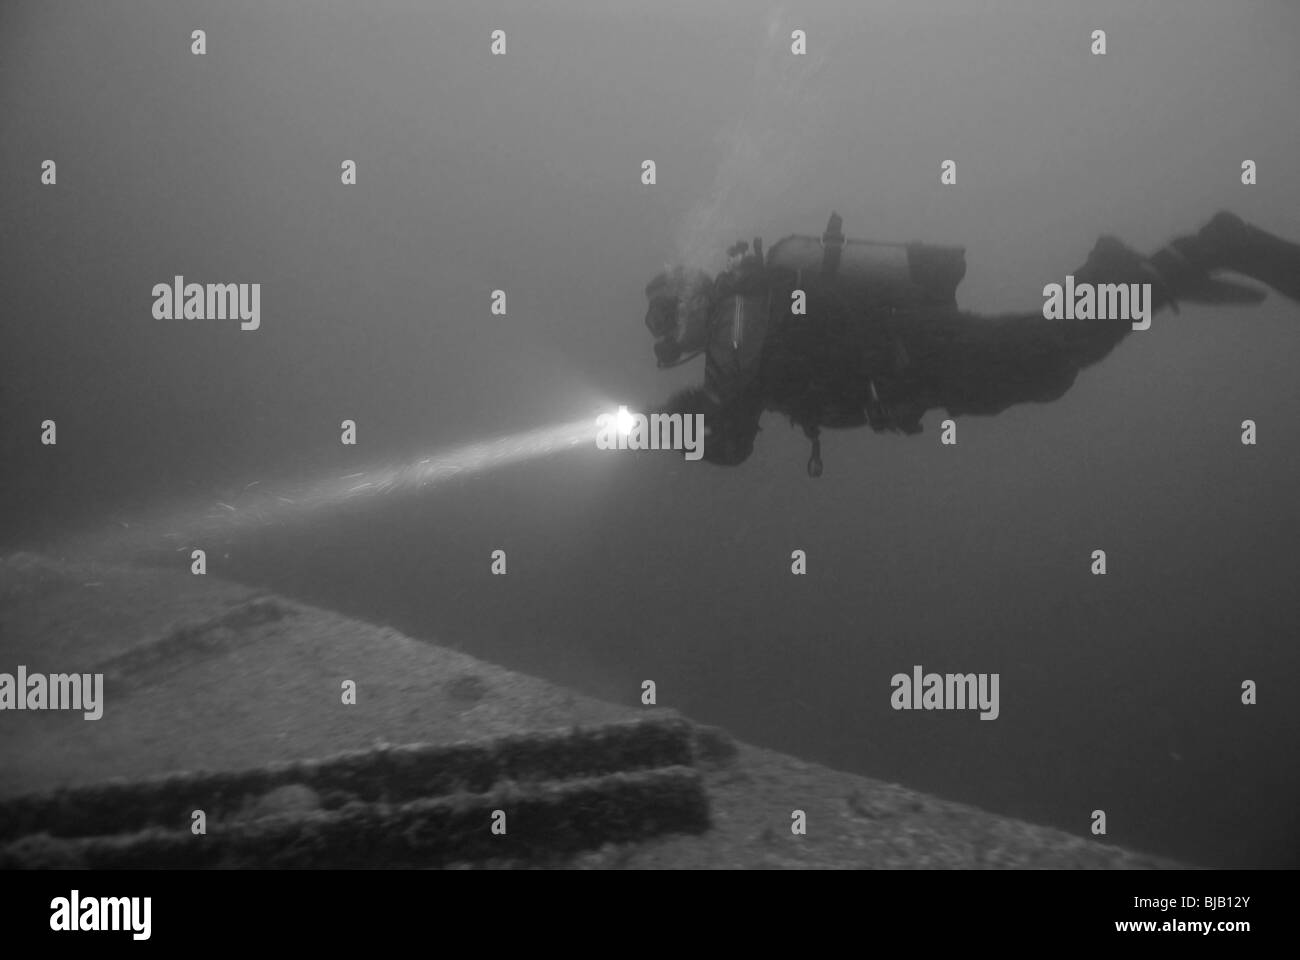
x,y
678,314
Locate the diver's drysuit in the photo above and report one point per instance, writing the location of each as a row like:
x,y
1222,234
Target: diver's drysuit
x,y
879,340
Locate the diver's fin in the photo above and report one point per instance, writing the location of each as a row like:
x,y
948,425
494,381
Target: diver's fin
x,y
1184,274
1215,290
1229,243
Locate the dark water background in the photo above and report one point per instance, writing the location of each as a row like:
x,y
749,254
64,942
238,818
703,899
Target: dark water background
x,y
523,172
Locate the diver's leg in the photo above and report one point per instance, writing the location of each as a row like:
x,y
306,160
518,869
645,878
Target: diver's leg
x,y
983,365
986,364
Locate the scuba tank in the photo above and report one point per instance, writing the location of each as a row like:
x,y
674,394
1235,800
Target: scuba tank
x,y
869,274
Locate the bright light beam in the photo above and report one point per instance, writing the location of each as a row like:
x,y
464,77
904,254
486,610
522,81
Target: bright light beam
x,y
261,506
624,421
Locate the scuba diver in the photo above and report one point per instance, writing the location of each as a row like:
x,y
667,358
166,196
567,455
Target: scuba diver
x,y
881,341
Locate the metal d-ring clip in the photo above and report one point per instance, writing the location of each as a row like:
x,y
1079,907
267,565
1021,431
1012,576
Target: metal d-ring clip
x,y
815,461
